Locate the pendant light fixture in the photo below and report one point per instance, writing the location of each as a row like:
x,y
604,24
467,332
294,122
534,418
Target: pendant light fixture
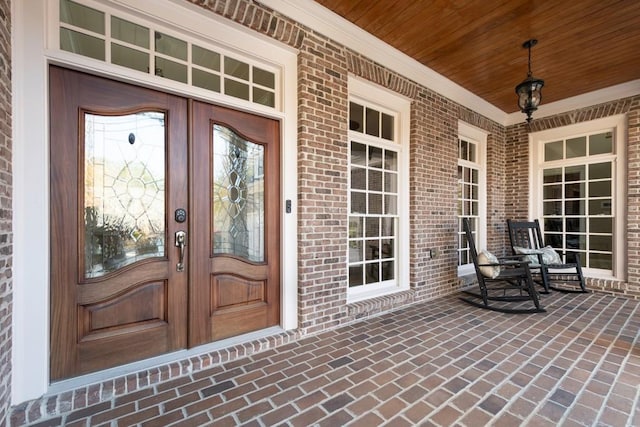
x,y
530,90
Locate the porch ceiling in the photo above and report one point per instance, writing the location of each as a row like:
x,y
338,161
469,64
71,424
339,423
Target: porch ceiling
x,y
583,45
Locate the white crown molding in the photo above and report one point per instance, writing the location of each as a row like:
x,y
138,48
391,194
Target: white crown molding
x,y
596,97
332,25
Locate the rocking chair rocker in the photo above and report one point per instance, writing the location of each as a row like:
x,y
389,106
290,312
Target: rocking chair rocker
x,y
504,285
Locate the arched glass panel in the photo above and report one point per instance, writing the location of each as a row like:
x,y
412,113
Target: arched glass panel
x,y
238,196
124,190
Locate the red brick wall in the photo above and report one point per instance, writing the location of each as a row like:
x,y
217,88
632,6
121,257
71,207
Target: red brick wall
x,y
6,235
517,189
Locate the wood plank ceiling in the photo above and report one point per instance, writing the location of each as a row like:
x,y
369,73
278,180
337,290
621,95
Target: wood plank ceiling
x,y
583,45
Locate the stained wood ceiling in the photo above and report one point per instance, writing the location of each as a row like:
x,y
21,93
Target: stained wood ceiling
x,y
583,45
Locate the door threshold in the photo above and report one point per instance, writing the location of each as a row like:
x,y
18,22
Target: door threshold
x,y
175,364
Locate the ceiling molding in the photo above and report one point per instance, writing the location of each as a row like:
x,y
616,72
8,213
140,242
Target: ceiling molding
x,y
332,25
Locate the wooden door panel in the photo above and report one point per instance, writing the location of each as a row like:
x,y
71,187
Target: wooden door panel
x,y
225,324
232,292
242,291
125,307
141,307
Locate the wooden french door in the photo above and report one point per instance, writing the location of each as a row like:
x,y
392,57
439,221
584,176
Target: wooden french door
x,y
164,223
235,164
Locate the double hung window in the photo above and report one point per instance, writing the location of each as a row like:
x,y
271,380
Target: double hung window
x,y
471,191
377,230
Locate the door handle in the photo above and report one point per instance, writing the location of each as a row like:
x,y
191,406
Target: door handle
x,y
181,242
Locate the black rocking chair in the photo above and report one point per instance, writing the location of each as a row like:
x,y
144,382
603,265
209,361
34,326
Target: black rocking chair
x,y
506,288
546,265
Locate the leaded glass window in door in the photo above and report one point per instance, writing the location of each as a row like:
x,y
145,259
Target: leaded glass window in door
x,y
238,196
124,190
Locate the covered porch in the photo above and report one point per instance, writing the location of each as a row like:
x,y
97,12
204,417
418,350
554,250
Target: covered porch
x,y
439,363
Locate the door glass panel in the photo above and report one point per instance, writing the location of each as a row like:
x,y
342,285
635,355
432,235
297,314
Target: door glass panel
x,y
238,196
124,190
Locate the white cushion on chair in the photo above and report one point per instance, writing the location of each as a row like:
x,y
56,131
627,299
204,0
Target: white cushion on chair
x,y
549,255
486,257
530,255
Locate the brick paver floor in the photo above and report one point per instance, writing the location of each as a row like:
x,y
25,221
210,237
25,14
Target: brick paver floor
x,y
440,363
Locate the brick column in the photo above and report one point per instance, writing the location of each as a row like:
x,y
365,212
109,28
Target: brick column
x,y
322,184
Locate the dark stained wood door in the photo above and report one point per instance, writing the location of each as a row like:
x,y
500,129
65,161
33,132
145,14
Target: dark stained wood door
x,y
235,164
122,164
118,162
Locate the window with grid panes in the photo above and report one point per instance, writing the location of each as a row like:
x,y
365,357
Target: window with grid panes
x,y
468,194
100,35
472,194
578,198
373,195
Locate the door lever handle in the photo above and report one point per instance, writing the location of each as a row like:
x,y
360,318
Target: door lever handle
x,y
181,242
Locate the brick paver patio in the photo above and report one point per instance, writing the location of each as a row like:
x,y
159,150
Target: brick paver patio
x,y
441,363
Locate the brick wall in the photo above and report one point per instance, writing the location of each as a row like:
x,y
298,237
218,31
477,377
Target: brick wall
x,y
323,69
6,235
322,184
517,189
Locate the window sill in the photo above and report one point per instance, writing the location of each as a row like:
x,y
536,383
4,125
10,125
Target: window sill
x,y
378,304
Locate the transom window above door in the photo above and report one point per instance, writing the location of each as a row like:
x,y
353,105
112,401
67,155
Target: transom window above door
x,y
115,38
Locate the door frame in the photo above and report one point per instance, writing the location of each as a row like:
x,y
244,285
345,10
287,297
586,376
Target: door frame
x,y
32,55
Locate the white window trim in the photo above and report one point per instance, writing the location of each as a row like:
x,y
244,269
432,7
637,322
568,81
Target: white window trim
x,y
616,124
361,90
34,23
479,136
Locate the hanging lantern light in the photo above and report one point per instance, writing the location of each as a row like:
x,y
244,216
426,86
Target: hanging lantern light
x,y
530,90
